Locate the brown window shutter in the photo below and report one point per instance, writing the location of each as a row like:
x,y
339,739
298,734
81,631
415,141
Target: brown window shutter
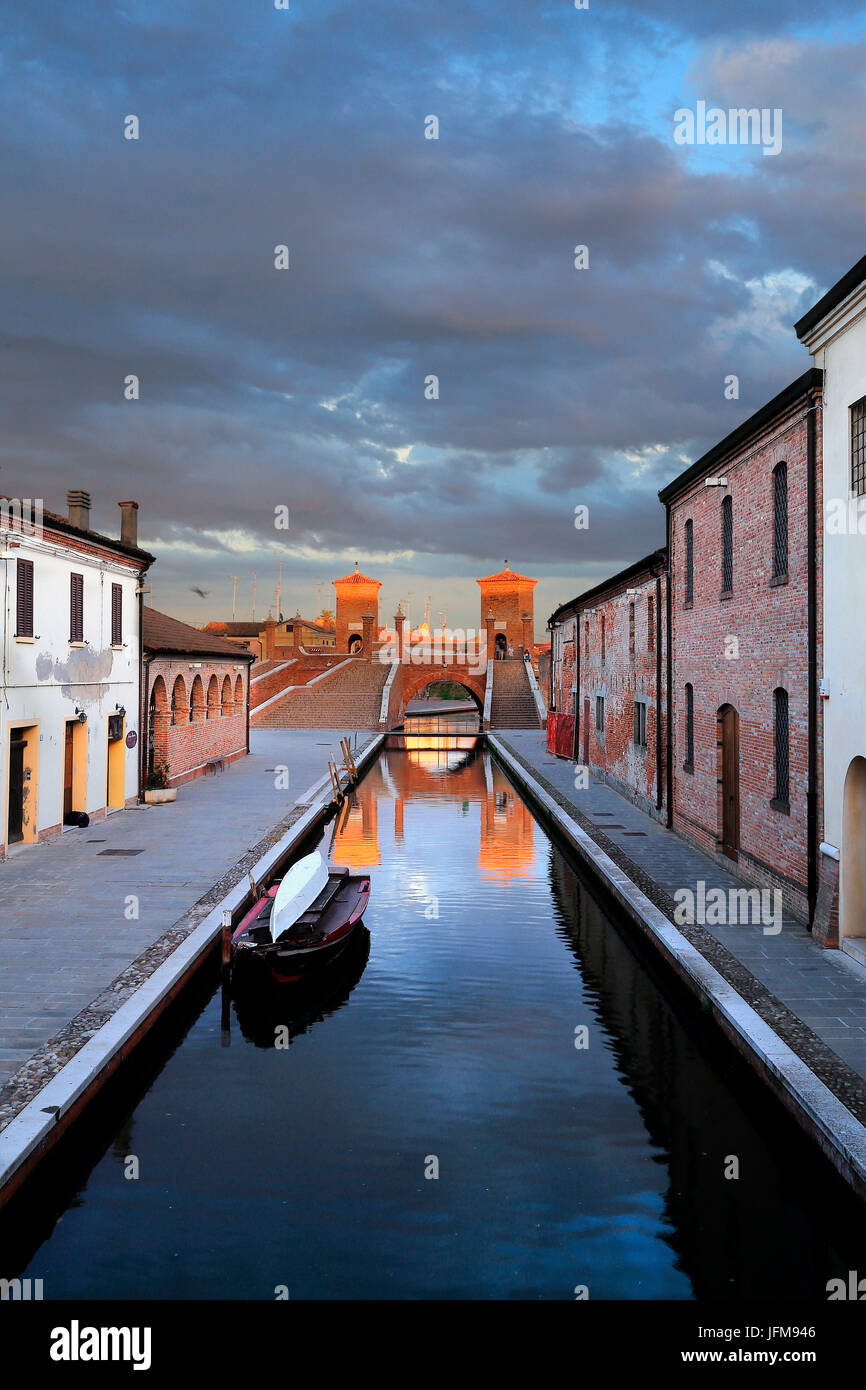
x,y
25,598
116,615
76,607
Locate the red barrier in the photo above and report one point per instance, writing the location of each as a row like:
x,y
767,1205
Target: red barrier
x,y
560,734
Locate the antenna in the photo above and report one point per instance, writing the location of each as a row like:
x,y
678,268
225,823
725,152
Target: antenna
x,y
279,589
254,594
234,579
319,596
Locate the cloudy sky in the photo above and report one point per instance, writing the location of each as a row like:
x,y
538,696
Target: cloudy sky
x,y
409,257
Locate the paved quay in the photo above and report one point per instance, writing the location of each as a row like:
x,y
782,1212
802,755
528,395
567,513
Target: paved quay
x,y
68,929
824,992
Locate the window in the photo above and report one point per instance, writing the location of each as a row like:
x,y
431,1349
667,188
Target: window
x,y
727,545
631,630
858,448
116,615
24,577
780,521
640,723
690,562
179,706
650,624
690,728
602,638
76,607
782,797
599,713
586,638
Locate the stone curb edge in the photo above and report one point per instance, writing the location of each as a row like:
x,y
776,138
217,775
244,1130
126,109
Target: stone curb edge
x,y
42,1118
841,1136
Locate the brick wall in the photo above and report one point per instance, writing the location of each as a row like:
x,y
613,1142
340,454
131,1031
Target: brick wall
x,y
210,717
737,650
619,643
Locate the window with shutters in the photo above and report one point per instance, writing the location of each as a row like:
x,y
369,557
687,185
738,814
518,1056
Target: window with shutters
x,y
76,607
727,545
116,615
690,562
780,521
689,763
24,616
782,750
640,723
858,448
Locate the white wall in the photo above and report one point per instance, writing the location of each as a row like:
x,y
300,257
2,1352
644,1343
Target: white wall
x,y
839,346
45,680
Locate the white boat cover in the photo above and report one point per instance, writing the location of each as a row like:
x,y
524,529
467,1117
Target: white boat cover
x,y
297,892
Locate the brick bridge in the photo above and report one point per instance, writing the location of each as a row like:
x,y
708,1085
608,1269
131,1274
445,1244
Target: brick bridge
x,y
374,672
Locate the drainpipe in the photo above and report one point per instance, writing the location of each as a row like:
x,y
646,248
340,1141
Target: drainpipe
x,y
669,819
550,704
575,747
812,640
658,691
143,675
249,668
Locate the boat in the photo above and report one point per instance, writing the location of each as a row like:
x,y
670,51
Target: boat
x,y
264,1006
304,922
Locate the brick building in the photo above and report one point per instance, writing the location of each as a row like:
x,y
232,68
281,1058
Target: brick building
x,y
248,636
609,668
745,558
357,601
197,691
507,609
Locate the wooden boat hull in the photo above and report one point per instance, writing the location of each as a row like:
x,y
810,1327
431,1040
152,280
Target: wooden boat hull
x,y
315,942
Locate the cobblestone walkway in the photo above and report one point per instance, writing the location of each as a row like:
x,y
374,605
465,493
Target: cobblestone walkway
x,y
826,990
64,931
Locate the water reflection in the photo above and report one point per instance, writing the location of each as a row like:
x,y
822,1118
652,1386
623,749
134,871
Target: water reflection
x,y
456,1037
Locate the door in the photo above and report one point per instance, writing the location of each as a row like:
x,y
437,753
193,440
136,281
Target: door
x,y
151,734
15,826
586,733
730,721
67,770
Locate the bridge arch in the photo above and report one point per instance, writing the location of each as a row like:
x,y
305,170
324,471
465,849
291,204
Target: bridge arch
x,y
422,676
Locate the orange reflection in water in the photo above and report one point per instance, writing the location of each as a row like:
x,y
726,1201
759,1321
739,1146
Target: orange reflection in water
x,y
448,762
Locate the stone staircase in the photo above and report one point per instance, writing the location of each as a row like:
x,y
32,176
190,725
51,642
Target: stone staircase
x,y
349,698
513,706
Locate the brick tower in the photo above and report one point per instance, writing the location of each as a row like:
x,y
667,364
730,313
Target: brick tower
x,y
356,595
508,597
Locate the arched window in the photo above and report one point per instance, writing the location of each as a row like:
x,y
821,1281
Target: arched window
x,y
226,701
213,698
782,747
780,521
196,702
727,545
690,728
690,562
239,695
179,706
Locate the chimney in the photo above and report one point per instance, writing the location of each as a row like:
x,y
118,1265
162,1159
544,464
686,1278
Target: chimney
x,y
78,502
128,523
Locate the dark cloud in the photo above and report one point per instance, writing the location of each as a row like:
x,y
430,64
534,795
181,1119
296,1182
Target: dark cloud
x,y
409,258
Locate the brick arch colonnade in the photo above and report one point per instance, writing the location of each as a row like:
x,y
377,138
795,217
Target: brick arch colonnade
x,y
195,717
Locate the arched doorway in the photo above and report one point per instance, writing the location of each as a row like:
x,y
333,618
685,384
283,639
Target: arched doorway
x,y
729,781
355,645
501,646
853,894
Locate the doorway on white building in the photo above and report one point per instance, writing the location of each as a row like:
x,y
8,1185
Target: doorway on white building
x,y
853,895
115,764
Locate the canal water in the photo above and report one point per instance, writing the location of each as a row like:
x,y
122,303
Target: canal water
x,y
492,1099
